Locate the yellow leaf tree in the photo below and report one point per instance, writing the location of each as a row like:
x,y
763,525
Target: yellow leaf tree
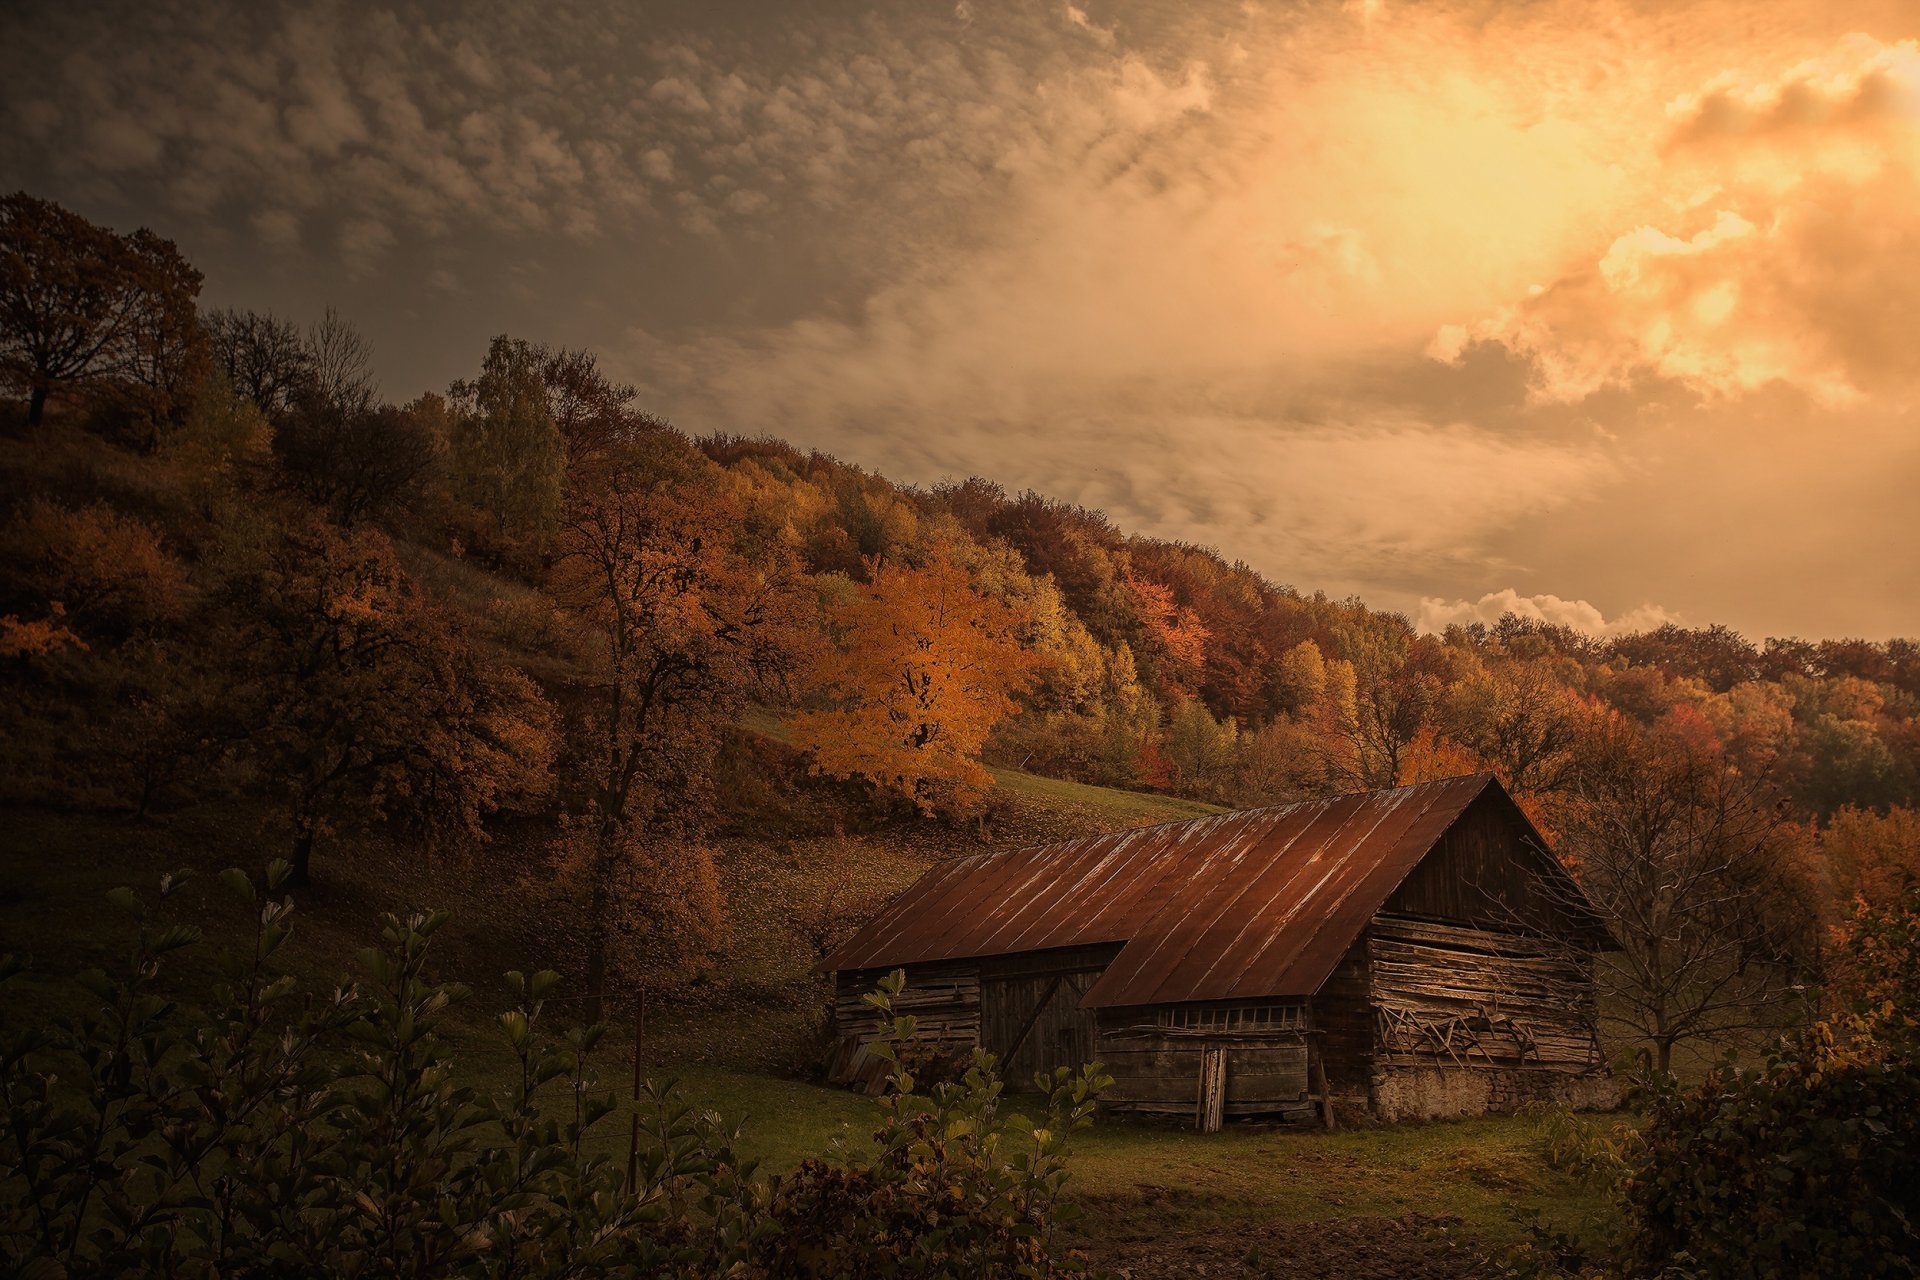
x,y
925,668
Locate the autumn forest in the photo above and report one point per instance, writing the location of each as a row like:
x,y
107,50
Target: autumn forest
x,y
520,632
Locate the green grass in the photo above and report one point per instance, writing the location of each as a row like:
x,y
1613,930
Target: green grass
x,y
1490,1172
1138,1179
1115,807
1122,808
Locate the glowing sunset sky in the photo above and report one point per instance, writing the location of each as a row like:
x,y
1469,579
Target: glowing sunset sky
x,y
1598,310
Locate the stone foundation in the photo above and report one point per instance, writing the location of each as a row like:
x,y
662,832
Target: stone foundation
x,y
1442,1093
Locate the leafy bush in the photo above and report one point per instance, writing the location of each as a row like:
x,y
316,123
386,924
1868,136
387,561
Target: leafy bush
x,y
956,1188
1595,1150
1809,1165
285,1133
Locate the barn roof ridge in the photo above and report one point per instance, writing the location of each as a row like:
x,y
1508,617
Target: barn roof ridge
x,y
1274,809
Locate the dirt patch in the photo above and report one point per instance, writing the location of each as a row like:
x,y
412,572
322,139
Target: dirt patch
x,y
1415,1247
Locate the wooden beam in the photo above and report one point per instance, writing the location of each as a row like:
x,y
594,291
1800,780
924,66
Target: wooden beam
x,y
1319,1067
1213,1088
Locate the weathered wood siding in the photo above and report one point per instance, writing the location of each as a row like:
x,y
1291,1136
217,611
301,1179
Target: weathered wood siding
x,y
1452,996
1155,1056
1483,872
1030,1015
943,998
1342,1018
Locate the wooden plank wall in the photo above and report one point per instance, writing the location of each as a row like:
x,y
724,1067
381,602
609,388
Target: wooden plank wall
x,y
1452,996
1157,1067
1343,1018
1483,872
1030,1015
944,999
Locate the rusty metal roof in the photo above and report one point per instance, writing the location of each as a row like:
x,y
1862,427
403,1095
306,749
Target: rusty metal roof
x,y
1255,904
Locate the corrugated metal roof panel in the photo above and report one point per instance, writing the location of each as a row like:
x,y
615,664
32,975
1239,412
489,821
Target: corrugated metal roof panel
x,y
1259,903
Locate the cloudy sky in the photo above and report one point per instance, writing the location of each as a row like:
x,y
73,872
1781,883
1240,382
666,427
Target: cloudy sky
x,y
1595,310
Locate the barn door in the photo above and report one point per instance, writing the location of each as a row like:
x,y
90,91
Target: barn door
x,y
1212,1106
1035,1023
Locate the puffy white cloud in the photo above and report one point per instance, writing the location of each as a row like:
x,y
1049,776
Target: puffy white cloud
x,y
1437,614
1778,239
681,94
1102,36
1862,81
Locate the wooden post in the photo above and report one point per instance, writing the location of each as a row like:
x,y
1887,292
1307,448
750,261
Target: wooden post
x,y
1213,1088
1320,1085
633,1127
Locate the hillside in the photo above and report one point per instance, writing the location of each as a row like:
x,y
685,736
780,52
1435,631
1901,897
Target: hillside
x,y
1353,1204
754,1008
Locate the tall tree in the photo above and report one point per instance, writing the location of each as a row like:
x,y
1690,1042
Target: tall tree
x,y
1172,640
264,357
1693,869
507,459
925,667
83,306
365,705
645,561
354,462
1521,719
591,411
340,365
1399,680
1872,856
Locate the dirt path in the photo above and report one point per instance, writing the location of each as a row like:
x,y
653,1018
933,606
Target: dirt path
x,y
1415,1247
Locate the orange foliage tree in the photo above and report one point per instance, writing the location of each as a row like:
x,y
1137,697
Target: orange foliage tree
x,y
688,629
94,569
925,667
1698,876
1431,756
364,702
1173,637
1400,679
36,637
1872,856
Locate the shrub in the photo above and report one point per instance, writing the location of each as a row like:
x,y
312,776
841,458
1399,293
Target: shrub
x,y
956,1188
281,1133
1811,1164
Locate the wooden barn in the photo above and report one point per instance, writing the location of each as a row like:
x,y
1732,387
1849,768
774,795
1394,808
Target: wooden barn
x,y
1412,953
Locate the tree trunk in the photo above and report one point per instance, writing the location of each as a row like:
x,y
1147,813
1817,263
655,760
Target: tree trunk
x,y
36,404
599,923
302,874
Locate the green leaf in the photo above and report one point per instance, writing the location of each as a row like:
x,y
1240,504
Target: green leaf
x,y
238,883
